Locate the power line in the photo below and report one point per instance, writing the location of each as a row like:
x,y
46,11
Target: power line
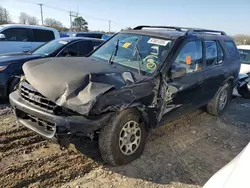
x,y
70,12
64,10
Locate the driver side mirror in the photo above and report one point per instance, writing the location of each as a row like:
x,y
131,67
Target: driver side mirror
x,y
178,72
2,36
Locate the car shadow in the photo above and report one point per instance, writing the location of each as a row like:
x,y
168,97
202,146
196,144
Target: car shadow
x,y
188,150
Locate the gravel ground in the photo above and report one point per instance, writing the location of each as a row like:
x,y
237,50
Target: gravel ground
x,y
182,154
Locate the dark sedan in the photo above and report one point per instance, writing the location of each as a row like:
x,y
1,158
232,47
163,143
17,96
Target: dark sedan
x,y
11,64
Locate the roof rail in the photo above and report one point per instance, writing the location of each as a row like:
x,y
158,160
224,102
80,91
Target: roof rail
x,y
160,27
189,31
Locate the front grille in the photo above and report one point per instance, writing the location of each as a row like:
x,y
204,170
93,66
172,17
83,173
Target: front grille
x,y
47,126
29,94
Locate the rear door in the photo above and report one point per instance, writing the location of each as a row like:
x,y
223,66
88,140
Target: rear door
x,y
215,72
187,91
41,36
16,40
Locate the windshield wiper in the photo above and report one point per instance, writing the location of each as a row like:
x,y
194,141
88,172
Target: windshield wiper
x,y
113,53
136,50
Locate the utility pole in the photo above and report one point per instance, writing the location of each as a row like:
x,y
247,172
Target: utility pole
x,y
70,19
41,7
109,25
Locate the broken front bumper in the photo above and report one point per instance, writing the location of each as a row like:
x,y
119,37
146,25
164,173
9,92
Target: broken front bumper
x,y
50,125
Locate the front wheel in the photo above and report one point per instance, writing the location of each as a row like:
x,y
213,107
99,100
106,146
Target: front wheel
x,y
123,139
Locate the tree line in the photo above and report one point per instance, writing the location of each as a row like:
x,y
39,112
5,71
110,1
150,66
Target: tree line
x,y
80,24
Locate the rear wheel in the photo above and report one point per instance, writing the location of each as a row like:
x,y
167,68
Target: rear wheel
x,y
123,139
220,101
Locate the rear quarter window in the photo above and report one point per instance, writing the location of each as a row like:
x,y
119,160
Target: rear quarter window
x,y
232,50
41,35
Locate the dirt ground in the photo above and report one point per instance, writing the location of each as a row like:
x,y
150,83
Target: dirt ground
x,y
182,154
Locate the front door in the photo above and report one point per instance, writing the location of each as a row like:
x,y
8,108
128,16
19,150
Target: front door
x,y
186,92
16,40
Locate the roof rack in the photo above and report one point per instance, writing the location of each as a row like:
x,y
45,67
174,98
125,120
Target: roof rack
x,y
189,31
160,27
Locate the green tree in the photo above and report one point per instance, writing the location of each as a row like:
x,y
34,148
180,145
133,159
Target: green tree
x,y
80,24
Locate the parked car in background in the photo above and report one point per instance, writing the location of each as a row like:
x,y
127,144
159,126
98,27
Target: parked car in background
x,y
62,35
136,81
106,37
243,87
11,64
85,34
23,38
233,175
244,51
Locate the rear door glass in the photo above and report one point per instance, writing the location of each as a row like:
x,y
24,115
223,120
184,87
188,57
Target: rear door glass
x,y
211,53
78,49
85,47
220,58
41,35
214,53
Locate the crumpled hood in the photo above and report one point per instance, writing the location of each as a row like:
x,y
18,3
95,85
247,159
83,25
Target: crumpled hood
x,y
74,83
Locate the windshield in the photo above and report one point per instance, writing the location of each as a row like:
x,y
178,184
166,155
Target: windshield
x,y
138,53
49,47
244,56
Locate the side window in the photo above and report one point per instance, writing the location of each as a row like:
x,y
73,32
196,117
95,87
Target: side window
x,y
78,49
17,34
233,52
70,50
211,53
85,47
41,35
96,43
190,56
220,58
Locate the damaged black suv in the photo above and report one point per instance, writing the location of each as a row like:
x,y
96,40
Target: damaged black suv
x,y
137,80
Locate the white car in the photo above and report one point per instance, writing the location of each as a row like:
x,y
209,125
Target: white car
x,y
244,51
23,38
235,174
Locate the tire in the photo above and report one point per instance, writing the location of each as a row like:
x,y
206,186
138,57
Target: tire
x,y
214,106
111,135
